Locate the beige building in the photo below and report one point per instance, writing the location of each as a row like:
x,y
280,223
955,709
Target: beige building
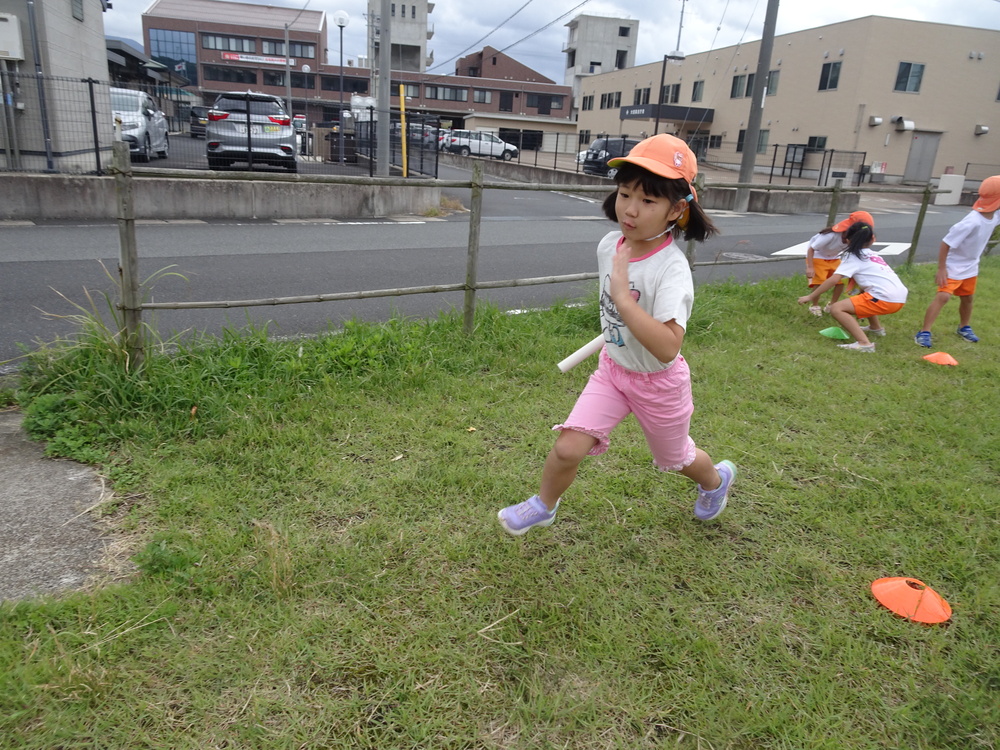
x,y
912,99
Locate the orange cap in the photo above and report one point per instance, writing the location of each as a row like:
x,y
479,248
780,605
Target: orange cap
x,y
989,195
854,218
665,155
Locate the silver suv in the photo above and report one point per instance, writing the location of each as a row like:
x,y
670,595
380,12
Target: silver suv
x,y
478,143
251,127
140,123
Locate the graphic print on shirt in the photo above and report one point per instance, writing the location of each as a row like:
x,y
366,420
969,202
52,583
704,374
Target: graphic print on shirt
x,y
609,313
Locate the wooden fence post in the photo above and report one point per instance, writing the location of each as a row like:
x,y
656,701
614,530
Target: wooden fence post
x,y
472,261
917,227
831,217
128,258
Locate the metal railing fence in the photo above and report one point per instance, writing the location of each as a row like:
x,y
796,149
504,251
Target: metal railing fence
x,y
60,125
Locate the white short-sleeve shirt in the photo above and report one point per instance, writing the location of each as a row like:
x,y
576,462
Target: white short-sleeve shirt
x,y
967,240
660,282
873,274
827,246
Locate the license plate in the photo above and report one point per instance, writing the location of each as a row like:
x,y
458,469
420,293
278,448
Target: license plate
x,y
256,129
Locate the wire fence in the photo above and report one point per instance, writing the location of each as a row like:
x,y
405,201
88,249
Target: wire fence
x,y
67,126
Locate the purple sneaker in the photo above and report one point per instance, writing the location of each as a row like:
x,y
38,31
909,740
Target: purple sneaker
x,y
711,503
518,519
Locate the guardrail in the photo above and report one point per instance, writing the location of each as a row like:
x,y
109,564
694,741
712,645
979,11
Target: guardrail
x,y
131,303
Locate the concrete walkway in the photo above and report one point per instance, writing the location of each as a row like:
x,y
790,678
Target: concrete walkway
x,y
49,543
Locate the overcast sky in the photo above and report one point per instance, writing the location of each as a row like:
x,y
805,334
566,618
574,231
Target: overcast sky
x,y
464,26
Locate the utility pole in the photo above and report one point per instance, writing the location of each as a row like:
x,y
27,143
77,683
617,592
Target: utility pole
x,y
757,105
382,93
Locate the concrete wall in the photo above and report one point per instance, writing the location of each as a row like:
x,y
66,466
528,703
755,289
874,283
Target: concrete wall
x,y
57,197
720,199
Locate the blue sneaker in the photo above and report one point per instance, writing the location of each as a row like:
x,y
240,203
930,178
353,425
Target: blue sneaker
x,y
711,503
923,338
518,519
966,333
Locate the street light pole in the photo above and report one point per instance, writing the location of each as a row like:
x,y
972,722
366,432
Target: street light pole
x,y
288,61
341,19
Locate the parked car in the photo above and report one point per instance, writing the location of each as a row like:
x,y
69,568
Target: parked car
x,y
602,150
443,138
271,137
478,143
197,121
140,123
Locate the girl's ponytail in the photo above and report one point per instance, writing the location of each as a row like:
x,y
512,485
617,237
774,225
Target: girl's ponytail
x,y
859,236
695,222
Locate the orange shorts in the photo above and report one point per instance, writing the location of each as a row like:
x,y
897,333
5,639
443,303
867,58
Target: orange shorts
x,y
822,270
865,305
960,287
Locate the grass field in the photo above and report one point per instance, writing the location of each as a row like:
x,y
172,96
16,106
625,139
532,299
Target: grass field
x,y
316,561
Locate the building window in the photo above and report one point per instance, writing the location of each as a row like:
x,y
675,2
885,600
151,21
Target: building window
x,y
698,91
772,82
481,96
230,75
816,143
571,59
715,141
829,76
271,47
411,90
506,101
641,96
623,31
621,59
739,88
557,102
584,137
402,11
908,77
172,47
413,11
763,136
595,67
587,103
301,49
671,94
77,6
351,85
446,93
228,43
393,10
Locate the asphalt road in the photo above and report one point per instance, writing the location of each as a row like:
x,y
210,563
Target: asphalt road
x,y
46,271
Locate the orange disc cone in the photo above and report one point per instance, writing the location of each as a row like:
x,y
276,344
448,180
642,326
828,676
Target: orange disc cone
x,y
941,358
912,599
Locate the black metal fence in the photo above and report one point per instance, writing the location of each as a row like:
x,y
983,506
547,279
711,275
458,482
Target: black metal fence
x,y
61,125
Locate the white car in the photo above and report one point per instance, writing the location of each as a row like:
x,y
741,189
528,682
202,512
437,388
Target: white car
x,y
477,143
140,123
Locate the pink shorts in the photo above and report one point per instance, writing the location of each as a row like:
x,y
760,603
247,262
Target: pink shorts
x,y
661,402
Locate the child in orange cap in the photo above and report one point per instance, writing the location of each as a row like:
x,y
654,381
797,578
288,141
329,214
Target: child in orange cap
x,y
646,298
958,261
882,291
823,255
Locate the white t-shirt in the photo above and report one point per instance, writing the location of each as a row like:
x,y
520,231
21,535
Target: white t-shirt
x,y
662,285
827,246
874,275
967,240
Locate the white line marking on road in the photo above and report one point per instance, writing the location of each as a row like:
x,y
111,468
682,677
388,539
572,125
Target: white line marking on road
x,y
882,248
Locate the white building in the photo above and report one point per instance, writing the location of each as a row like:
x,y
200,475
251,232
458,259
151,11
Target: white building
x,y
913,99
595,45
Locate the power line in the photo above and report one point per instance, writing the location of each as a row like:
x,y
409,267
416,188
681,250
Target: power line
x,y
476,43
